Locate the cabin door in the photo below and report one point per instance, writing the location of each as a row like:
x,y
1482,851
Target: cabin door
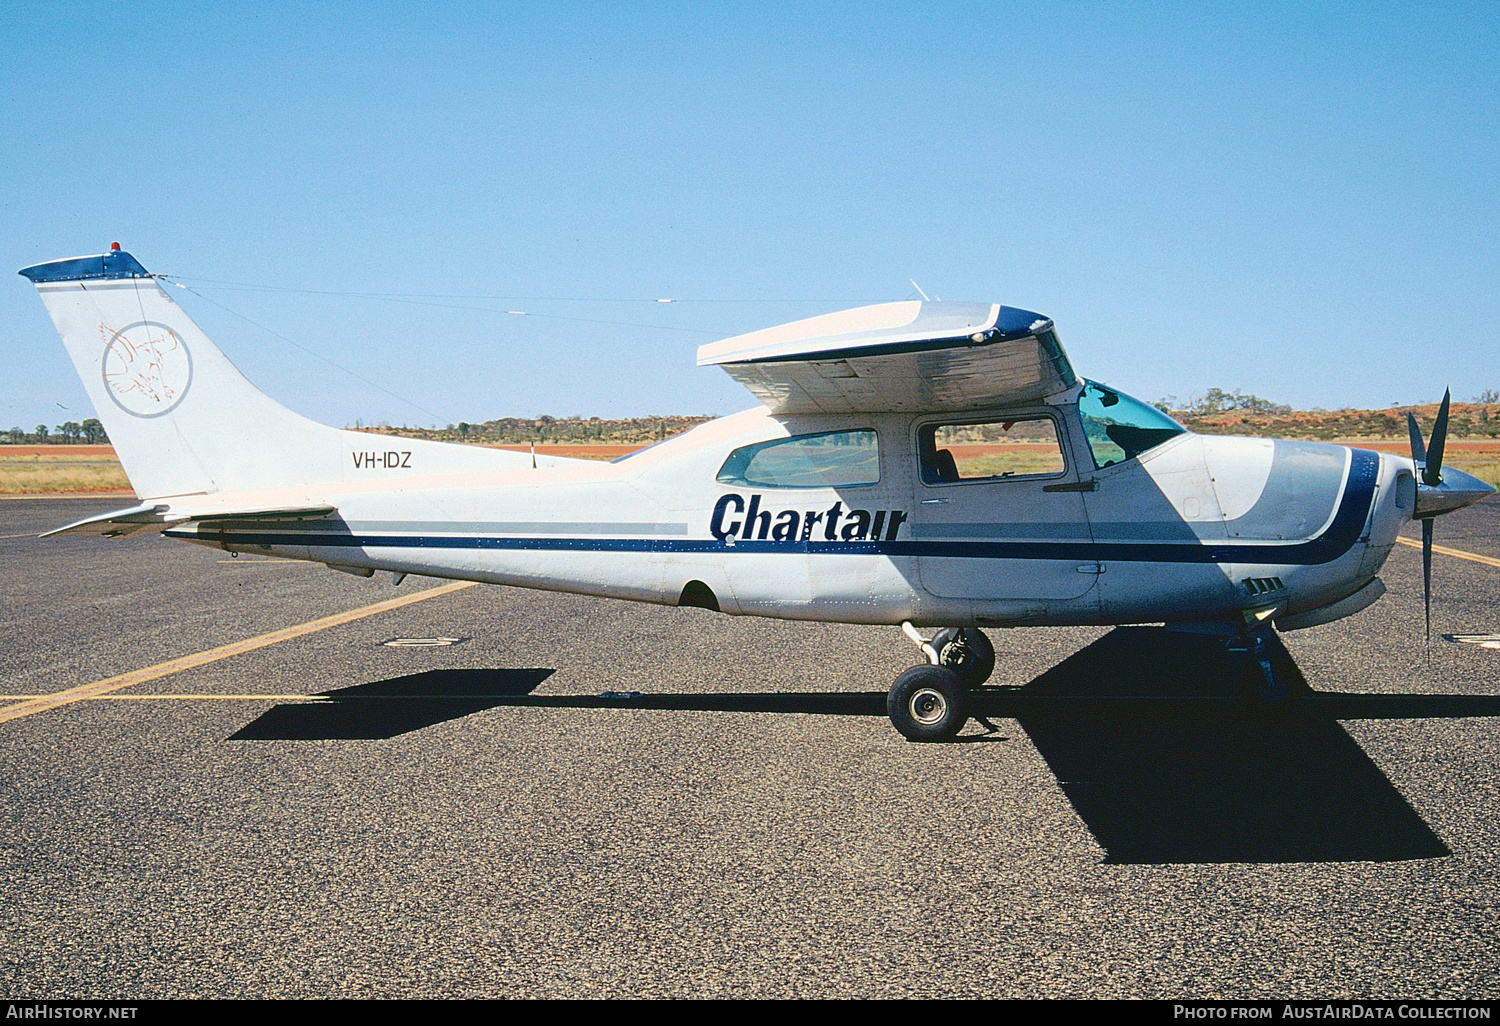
x,y
999,513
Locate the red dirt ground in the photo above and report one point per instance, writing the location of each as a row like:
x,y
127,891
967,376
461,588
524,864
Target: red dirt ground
x,y
1461,446
57,450
588,452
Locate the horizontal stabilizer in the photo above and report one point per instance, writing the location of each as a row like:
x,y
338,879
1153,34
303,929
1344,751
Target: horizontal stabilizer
x,y
154,517
145,517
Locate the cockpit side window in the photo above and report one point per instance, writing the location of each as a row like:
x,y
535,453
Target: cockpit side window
x,y
1120,428
990,450
830,459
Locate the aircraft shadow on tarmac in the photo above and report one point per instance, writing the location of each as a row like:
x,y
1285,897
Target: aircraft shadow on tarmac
x,y
1162,776
386,708
1144,735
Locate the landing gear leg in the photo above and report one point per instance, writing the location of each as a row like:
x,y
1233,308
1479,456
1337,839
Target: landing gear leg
x,y
964,650
933,702
1266,677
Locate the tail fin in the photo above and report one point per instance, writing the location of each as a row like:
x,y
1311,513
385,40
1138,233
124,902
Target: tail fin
x,y
182,418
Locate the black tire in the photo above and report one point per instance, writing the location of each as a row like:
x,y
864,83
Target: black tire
x,y
928,703
967,652
1272,697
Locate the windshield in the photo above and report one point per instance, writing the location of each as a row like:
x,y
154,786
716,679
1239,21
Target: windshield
x,y
1120,428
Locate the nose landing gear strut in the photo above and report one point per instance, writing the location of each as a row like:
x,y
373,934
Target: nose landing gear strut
x,y
1267,677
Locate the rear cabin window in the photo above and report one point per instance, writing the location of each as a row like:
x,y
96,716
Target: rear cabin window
x,y
831,459
990,450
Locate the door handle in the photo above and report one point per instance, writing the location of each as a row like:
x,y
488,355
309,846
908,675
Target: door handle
x,y
932,502
1091,568
1090,485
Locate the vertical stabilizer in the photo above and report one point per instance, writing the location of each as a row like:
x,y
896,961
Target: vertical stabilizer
x,y
181,417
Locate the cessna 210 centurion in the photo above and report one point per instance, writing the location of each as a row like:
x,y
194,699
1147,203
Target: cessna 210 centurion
x,y
925,464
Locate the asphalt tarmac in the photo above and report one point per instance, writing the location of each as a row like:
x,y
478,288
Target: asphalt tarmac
x,y
474,819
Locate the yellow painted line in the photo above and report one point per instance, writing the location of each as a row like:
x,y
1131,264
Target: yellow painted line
x,y
252,562
213,655
237,698
26,534
1472,557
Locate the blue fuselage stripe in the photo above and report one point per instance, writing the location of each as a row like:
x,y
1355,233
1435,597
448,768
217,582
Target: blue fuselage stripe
x,y
1342,533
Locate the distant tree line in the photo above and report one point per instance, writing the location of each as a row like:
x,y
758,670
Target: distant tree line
x,y
90,432
1216,400
1220,412
554,430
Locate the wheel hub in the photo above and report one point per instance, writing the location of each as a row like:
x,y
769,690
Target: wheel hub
x,y
928,706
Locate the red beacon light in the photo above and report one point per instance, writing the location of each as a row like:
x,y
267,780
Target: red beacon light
x,y
114,247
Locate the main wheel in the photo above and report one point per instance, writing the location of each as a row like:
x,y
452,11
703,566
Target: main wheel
x,y
967,652
927,703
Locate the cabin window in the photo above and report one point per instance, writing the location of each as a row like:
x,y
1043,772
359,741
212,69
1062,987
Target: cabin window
x,y
990,450
1120,428
831,459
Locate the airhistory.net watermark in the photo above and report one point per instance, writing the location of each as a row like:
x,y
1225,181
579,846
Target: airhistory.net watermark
x,y
41,1010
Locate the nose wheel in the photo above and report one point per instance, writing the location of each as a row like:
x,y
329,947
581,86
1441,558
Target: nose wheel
x,y
1268,679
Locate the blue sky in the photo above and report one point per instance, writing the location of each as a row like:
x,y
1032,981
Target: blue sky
x,y
1297,200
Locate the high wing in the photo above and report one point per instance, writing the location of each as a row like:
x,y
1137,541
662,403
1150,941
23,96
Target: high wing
x,y
908,357
150,516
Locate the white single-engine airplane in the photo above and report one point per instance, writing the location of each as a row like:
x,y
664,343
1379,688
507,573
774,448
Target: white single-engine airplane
x,y
917,463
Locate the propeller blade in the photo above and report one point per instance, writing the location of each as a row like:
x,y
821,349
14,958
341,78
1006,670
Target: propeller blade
x,y
1427,575
1433,474
1418,448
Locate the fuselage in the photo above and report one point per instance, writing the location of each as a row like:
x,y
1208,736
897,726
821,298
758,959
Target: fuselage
x,y
739,514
